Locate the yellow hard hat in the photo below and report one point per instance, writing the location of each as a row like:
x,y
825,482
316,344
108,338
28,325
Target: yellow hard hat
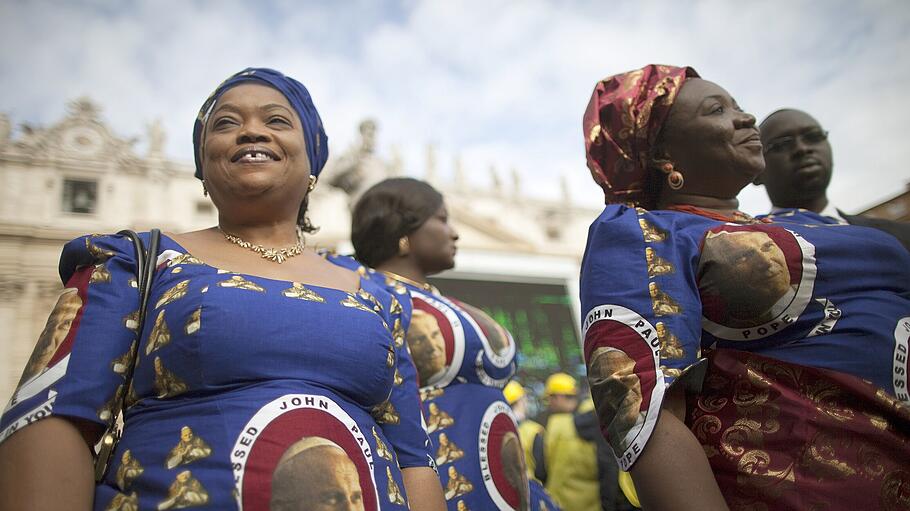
x,y
561,384
513,392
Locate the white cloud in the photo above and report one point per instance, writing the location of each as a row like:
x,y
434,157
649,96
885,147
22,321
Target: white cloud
x,y
499,82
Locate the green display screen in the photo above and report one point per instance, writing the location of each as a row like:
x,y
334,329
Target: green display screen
x,y
539,316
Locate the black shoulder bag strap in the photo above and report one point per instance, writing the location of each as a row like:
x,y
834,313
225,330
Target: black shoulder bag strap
x,y
145,271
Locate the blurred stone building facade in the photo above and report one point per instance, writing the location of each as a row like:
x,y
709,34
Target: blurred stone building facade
x,y
518,257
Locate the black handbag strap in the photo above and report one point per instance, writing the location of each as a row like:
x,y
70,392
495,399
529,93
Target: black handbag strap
x,y
145,266
146,259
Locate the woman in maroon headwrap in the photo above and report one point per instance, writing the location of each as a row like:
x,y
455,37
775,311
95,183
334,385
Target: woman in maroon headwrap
x,y
733,361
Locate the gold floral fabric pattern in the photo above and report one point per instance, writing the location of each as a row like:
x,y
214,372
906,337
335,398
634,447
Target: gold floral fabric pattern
x,y
784,436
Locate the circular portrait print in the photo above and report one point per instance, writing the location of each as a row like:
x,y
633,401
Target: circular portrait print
x,y
435,340
303,452
617,393
502,462
497,341
754,280
621,351
52,346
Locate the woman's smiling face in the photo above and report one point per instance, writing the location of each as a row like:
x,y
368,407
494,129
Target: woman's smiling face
x,y
712,141
253,144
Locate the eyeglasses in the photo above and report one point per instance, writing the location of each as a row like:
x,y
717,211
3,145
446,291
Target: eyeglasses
x,y
788,143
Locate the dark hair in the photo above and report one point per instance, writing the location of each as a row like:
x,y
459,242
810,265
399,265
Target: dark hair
x,y
387,211
302,220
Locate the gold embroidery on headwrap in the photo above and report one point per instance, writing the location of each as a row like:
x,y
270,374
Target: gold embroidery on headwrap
x,y
594,134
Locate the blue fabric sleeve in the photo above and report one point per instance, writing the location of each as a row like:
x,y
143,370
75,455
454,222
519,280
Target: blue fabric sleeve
x,y
408,436
641,319
78,368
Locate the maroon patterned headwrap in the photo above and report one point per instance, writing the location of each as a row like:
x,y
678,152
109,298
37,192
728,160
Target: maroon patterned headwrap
x,y
621,124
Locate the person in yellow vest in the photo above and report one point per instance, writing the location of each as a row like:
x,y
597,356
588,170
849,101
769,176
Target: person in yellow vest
x,y
570,461
580,471
530,434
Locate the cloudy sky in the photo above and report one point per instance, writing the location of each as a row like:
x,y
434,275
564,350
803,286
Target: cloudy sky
x,y
498,83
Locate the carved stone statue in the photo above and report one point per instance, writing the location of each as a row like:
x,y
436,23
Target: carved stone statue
x,y
156,138
359,167
461,181
516,183
497,181
430,175
5,130
83,107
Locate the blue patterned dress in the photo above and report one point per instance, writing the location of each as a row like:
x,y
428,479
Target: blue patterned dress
x,y
248,392
803,327
463,360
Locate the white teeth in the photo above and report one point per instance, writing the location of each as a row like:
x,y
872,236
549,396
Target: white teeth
x,y
255,157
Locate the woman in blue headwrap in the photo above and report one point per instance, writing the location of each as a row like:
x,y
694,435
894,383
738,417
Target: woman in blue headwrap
x,y
267,376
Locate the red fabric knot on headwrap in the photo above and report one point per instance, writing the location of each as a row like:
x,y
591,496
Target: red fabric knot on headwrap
x,y
621,125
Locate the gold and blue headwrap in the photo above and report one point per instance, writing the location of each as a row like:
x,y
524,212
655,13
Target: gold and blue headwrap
x,y
317,148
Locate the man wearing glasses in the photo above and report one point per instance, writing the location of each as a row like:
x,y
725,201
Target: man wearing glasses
x,y
798,167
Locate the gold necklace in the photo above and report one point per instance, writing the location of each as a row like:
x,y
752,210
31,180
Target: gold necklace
x,y
276,255
426,286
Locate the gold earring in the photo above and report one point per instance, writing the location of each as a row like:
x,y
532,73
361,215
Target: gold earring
x,y
404,246
675,178
312,185
205,192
